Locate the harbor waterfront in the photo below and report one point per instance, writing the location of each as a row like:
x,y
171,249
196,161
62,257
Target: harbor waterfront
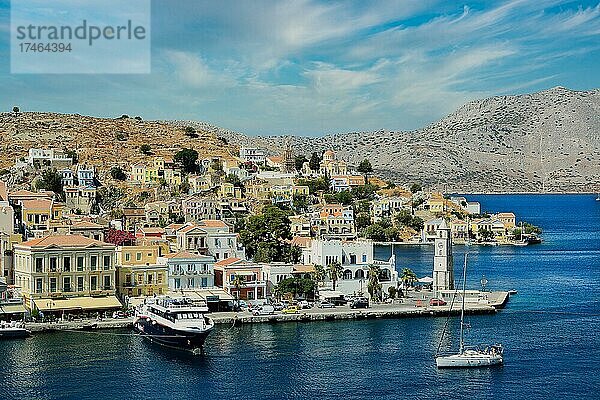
x,y
549,330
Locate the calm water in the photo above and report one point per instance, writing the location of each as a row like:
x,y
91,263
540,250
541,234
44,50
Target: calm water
x,y
551,331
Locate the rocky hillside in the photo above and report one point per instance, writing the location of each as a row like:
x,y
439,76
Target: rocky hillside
x,y
103,142
546,141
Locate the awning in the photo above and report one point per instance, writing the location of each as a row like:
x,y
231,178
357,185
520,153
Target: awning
x,y
12,309
208,295
426,279
78,303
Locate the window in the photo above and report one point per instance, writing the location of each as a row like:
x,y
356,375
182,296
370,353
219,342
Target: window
x,y
52,285
177,283
150,279
38,285
53,264
93,283
80,283
127,256
138,256
159,278
80,263
107,282
106,262
225,255
66,284
39,265
364,258
204,282
67,264
250,295
93,262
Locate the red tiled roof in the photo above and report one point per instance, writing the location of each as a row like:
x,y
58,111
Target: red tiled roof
x,y
213,223
227,261
37,204
64,241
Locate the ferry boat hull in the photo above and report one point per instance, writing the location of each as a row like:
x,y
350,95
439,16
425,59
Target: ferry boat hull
x,y
14,333
166,336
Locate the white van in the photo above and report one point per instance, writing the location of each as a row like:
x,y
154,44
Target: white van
x,y
265,309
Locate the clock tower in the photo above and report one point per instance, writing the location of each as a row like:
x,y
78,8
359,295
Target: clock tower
x,y
443,264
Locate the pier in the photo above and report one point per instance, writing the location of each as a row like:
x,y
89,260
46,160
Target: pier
x,y
412,307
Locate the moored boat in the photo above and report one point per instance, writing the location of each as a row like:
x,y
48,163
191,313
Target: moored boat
x,y
174,322
13,331
471,356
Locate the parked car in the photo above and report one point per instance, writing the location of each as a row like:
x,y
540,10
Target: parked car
x,y
359,302
278,306
437,302
304,304
326,304
290,310
265,309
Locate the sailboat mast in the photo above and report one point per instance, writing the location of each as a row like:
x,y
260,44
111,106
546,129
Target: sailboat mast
x,y
462,310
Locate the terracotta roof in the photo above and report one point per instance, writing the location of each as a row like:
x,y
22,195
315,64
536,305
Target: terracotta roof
x,y
275,159
64,241
37,204
174,226
184,254
213,223
187,228
227,261
28,193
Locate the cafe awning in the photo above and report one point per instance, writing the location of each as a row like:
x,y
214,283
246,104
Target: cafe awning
x,y
78,303
12,309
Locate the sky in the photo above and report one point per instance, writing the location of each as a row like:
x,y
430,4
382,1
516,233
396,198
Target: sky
x,y
309,67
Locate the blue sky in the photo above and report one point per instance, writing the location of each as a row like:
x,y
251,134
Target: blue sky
x,y
314,67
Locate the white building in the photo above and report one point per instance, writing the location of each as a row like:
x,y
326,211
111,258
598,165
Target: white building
x,y
253,154
188,270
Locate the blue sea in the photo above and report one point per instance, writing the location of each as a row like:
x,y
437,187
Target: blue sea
x,y
550,330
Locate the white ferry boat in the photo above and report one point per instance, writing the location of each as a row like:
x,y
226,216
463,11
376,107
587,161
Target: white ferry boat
x,y
13,330
174,322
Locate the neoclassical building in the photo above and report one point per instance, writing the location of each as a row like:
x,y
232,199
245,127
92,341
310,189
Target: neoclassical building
x,y
66,273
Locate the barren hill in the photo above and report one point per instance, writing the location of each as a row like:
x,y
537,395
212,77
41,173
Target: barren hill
x,y
546,141
103,142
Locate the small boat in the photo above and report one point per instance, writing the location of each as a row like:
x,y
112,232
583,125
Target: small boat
x,y
512,292
520,244
469,356
13,331
598,197
174,322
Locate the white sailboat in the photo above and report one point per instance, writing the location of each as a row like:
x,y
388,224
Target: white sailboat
x,y
469,356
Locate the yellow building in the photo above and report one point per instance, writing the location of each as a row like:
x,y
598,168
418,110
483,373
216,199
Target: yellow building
x,y
137,271
156,171
66,273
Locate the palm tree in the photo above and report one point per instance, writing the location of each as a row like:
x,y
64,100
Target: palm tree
x,y
335,271
408,277
318,277
374,286
238,282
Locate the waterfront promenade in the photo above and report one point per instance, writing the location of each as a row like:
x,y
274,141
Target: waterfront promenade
x,y
414,306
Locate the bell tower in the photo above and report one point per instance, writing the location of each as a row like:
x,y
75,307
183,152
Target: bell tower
x,y
443,263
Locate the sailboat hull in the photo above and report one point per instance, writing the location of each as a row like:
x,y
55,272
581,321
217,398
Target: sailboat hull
x,y
468,360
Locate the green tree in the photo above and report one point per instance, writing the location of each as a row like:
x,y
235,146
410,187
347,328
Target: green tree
x,y
16,109
365,168
234,179
408,277
392,292
146,149
299,162
315,161
51,180
415,187
118,173
266,236
486,234
315,185
362,220
405,218
72,154
300,203
364,192
373,286
318,276
238,283
187,159
335,271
